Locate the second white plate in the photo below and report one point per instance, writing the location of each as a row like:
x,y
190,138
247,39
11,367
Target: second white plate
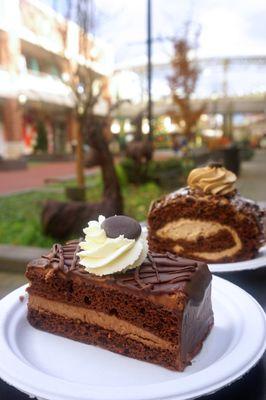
x,y
55,368
255,263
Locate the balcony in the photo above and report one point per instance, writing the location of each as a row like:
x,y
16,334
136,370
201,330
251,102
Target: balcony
x,y
37,87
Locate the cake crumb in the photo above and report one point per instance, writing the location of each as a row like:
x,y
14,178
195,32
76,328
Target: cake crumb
x,y
21,298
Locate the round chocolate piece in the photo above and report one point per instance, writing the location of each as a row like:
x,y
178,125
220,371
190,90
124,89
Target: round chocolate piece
x,y
121,225
215,164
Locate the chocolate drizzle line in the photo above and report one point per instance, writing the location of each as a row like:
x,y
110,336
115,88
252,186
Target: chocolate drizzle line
x,y
64,257
159,273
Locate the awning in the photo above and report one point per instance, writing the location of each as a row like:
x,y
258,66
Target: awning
x,y
36,87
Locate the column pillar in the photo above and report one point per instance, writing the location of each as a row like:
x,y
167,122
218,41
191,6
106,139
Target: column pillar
x,y
12,124
9,60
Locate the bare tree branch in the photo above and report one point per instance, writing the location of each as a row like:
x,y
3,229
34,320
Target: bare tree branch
x,y
184,80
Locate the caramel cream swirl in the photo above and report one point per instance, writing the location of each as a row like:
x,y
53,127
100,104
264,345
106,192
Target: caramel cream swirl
x,y
212,180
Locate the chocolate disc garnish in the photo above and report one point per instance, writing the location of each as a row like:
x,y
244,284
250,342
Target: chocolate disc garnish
x,y
121,225
215,164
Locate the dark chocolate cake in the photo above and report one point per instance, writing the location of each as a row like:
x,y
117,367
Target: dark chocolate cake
x,y
159,311
208,220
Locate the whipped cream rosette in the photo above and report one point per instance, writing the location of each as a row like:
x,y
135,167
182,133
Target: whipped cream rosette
x,y
112,245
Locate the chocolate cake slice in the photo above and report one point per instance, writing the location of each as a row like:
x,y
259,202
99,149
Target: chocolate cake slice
x,y
159,311
208,220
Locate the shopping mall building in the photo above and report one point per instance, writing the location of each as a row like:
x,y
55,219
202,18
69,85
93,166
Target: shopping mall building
x,y
37,46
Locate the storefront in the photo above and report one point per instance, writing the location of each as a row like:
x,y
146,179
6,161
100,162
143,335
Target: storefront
x,y
46,131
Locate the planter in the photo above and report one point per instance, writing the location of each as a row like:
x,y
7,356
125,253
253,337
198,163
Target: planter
x,y
232,159
169,180
13,165
229,157
45,157
75,193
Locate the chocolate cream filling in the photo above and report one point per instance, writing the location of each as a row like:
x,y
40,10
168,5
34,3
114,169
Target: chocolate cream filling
x,y
190,230
105,321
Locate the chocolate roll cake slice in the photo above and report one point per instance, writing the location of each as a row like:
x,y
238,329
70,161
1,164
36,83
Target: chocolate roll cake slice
x,y
157,309
208,220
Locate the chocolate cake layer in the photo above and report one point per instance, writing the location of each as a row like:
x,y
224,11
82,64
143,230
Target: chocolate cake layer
x,y
110,340
163,306
105,321
211,228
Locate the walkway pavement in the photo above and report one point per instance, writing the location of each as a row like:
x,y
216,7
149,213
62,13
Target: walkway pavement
x,y
252,182
36,175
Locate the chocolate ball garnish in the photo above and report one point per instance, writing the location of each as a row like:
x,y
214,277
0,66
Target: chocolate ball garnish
x,y
121,225
215,164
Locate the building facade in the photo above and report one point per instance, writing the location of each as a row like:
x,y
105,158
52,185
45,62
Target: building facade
x,y
37,47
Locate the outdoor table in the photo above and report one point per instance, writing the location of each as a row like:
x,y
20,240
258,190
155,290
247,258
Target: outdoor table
x,y
250,387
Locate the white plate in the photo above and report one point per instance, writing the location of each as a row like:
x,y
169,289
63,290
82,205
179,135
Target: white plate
x,y
255,263
56,368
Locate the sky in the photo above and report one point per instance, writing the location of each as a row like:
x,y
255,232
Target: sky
x,y
228,27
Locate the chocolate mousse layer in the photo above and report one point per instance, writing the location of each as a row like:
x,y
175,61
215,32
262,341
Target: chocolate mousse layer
x,y
159,312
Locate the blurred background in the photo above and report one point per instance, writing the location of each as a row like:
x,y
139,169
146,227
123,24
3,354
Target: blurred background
x,y
105,106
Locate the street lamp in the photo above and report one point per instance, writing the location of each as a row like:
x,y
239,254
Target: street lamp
x,y
22,98
115,127
149,67
145,126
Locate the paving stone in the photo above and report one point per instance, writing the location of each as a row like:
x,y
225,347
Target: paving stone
x,y
36,175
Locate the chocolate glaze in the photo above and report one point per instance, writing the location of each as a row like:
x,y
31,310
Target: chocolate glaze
x,y
167,273
159,273
241,203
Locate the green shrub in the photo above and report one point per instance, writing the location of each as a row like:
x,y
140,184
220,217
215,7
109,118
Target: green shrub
x,y
41,142
169,174
122,176
20,221
134,173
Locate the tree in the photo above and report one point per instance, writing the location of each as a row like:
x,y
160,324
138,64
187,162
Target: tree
x,y
61,219
184,80
85,84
